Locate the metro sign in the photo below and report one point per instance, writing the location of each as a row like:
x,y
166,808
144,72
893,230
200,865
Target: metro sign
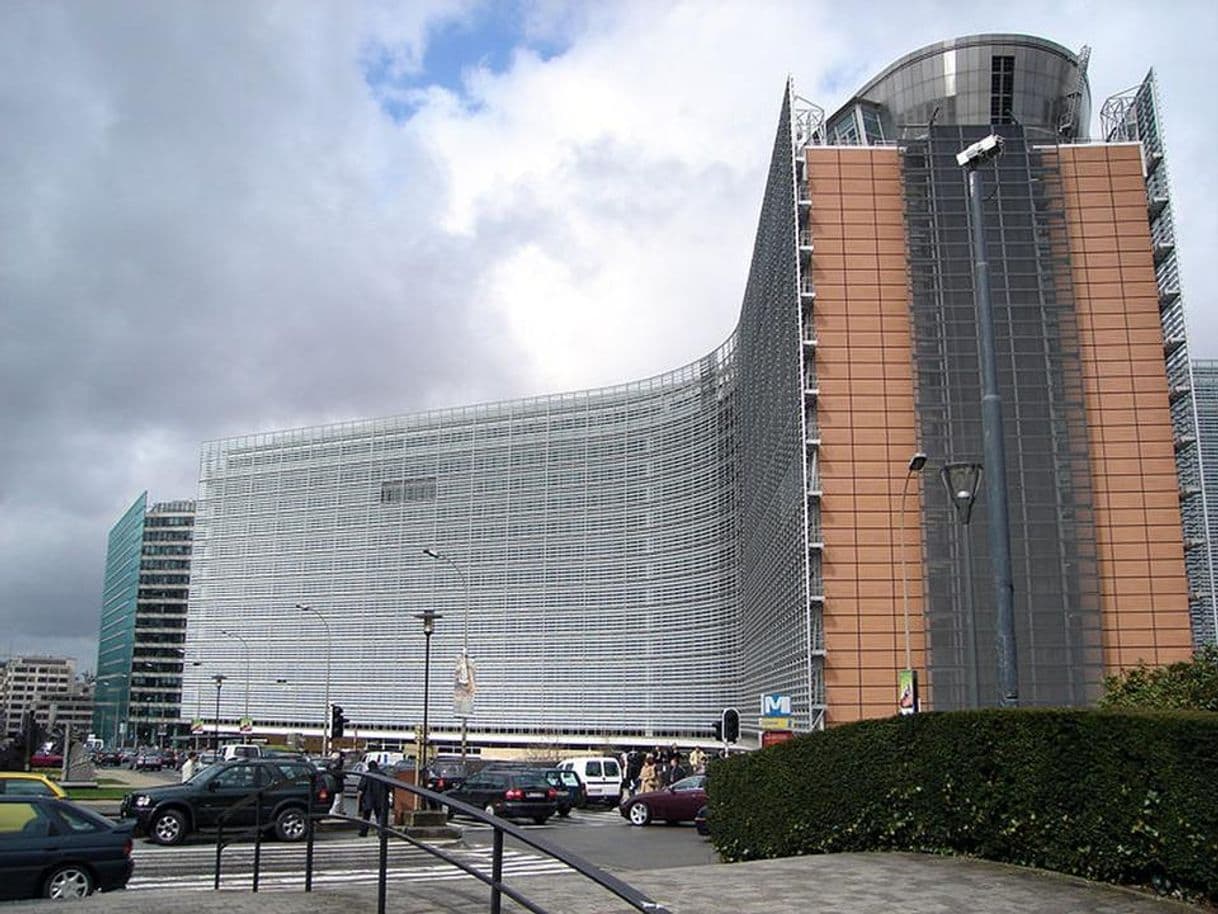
x,y
775,705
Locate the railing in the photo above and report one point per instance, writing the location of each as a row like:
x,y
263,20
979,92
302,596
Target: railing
x,y
498,887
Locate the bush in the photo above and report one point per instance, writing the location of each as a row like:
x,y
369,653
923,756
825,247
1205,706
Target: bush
x,y
1121,797
1186,685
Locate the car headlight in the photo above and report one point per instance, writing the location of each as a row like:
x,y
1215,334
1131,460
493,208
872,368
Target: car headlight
x,y
142,801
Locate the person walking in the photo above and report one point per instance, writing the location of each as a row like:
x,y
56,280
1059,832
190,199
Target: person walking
x,y
649,775
337,778
190,766
373,798
674,772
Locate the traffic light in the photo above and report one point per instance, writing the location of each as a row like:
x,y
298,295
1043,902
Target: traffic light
x,y
336,721
731,725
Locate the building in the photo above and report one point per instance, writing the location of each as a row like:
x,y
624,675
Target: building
x,y
623,563
1205,380
138,690
33,684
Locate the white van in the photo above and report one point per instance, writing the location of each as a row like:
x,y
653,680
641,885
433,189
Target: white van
x,y
383,758
602,777
241,750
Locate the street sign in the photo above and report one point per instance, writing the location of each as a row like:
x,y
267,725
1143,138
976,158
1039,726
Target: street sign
x,y
774,737
247,725
775,705
776,723
196,726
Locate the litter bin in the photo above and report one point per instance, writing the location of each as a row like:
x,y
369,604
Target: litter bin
x,y
403,800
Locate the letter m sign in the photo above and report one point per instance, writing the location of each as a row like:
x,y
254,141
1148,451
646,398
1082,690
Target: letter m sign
x,y
775,705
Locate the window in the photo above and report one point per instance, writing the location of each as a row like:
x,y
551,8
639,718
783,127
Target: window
x,y
23,787
1002,88
22,821
78,822
407,490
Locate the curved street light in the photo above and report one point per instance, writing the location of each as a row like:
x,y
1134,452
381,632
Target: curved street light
x,y
325,726
916,463
246,645
464,665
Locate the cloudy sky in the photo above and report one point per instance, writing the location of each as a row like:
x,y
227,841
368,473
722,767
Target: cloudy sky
x,y
228,217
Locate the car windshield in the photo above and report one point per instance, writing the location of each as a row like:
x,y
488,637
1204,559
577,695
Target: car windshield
x,y
530,779
447,770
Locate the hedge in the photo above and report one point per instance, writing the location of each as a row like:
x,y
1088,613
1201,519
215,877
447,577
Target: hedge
x,y
1115,796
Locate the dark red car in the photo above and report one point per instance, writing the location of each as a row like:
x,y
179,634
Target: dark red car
x,y
46,760
678,803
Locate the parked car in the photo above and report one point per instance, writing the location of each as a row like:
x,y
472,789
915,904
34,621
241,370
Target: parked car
x,y
46,760
678,803
508,794
571,791
602,777
168,814
702,821
107,757
55,849
148,761
242,750
444,774
23,784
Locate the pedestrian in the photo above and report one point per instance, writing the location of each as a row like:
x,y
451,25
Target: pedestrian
x,y
697,760
373,798
337,778
190,766
674,772
634,770
649,776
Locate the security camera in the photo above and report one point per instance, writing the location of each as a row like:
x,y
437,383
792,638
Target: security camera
x,y
980,152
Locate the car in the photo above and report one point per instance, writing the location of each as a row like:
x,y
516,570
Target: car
x,y
46,760
509,794
444,774
23,784
677,803
571,791
166,815
55,849
107,757
602,777
702,821
148,761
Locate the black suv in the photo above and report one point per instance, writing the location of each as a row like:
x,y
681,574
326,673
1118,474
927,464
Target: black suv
x,y
168,814
508,794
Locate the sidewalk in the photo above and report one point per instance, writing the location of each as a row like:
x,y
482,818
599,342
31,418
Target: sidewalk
x,y
908,883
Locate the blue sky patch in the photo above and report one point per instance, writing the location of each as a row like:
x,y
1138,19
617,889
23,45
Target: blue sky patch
x,y
486,39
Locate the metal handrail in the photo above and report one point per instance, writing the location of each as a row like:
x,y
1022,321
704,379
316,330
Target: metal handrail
x,y
623,890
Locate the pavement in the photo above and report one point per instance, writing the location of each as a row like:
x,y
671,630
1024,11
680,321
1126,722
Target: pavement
x,y
908,883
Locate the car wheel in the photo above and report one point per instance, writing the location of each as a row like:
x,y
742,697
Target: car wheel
x,y
489,809
69,881
291,824
540,820
168,827
563,813
639,814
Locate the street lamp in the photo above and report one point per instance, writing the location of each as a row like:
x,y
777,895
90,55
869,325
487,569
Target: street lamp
x,y
219,680
325,727
429,617
993,452
246,645
916,464
961,481
464,674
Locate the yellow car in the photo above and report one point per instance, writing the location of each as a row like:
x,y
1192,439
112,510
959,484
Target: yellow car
x,y
21,784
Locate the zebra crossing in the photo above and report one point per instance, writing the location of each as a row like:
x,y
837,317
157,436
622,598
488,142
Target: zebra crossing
x,y
343,862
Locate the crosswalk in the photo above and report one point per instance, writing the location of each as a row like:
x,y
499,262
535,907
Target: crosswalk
x,y
342,862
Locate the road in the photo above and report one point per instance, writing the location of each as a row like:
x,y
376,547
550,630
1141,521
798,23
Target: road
x,y
342,858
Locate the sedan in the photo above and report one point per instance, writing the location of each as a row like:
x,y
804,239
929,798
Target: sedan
x,y
678,803
52,848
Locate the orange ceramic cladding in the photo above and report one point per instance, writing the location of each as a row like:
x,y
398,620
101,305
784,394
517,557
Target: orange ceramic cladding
x,y
866,413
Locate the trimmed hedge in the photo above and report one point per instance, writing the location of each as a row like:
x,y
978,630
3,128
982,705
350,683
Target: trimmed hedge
x,y
1114,796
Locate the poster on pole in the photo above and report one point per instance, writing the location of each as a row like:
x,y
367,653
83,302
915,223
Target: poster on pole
x,y
464,686
907,692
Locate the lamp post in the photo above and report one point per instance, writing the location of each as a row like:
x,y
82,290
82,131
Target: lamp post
x,y
429,617
246,646
916,463
219,680
325,727
463,664
961,481
971,159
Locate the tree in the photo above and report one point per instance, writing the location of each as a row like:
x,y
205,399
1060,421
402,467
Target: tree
x,y
1190,685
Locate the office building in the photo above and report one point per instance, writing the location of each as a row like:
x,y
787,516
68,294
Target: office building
x,y
1205,384
32,684
633,559
138,690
